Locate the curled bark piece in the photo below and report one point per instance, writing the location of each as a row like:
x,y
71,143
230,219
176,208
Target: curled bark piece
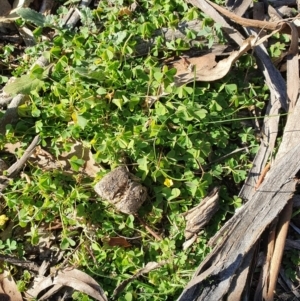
x,y
122,189
199,216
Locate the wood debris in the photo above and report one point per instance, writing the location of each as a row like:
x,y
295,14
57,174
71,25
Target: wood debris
x,y
225,272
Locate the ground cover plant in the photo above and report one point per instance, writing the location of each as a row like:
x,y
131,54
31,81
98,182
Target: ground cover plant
x,y
99,93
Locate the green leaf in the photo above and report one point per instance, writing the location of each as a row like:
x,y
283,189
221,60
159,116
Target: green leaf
x,y
128,296
38,126
76,163
37,72
24,85
231,88
101,91
170,194
35,112
24,110
64,244
118,102
3,79
143,164
81,121
158,76
130,221
97,75
32,16
120,37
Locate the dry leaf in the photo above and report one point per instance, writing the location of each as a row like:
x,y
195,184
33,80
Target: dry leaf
x,y
189,242
8,288
125,11
185,65
27,36
83,152
47,161
133,6
73,278
210,70
117,242
9,15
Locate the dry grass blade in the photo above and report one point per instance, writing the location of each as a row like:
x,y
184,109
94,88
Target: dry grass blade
x,y
46,7
16,167
11,114
13,170
292,77
262,288
240,7
21,3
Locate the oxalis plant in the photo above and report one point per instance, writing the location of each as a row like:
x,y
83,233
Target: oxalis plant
x,y
99,91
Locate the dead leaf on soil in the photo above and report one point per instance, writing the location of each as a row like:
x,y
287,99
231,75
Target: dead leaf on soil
x,y
46,161
117,242
207,69
8,288
199,63
73,278
12,147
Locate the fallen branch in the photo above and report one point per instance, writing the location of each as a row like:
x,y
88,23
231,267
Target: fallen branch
x,y
282,25
13,170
